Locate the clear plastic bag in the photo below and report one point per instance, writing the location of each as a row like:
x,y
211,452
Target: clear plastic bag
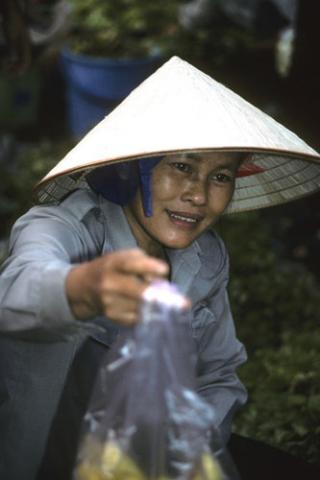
x,y
145,420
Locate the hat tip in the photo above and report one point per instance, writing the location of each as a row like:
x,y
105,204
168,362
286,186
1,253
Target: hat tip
x,y
175,59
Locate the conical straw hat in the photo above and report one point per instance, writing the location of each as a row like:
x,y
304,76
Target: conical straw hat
x,y
181,109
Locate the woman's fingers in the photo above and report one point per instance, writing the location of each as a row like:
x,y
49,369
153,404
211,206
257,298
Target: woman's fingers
x,y
121,309
112,284
115,283
125,277
138,263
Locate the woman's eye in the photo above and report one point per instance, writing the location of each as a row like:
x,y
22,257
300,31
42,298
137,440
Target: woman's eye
x,y
182,167
222,178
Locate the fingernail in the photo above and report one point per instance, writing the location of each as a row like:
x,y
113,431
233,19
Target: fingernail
x,y
162,268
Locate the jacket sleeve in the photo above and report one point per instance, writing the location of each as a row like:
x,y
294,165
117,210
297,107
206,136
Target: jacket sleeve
x,y
44,245
220,353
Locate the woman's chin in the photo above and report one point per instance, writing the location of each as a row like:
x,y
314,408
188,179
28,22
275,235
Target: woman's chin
x,y
177,243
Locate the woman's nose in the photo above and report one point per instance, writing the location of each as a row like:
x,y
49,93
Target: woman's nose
x,y
195,192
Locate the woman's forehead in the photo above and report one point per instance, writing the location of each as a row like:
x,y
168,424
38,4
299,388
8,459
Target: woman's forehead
x,y
215,158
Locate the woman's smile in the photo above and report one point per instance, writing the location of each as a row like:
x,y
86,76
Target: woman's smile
x,y
184,219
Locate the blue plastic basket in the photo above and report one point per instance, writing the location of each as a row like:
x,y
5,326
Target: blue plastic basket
x,y
94,86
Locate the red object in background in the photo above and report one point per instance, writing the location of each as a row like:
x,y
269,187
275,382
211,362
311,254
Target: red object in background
x,y
250,169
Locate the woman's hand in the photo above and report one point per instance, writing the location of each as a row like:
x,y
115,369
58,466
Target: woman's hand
x,y
113,285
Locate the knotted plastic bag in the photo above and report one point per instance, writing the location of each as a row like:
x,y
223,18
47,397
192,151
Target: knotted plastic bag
x,y
145,420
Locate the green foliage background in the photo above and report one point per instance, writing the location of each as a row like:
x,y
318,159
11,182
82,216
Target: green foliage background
x,y
122,28
27,164
277,313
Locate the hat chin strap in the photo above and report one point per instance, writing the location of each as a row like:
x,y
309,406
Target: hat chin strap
x,y
146,165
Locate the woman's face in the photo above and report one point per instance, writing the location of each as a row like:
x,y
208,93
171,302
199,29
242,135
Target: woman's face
x,y
189,193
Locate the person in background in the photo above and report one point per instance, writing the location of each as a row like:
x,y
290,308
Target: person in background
x,y
28,26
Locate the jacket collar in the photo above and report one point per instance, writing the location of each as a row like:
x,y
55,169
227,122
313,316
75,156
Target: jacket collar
x,y
118,234
185,265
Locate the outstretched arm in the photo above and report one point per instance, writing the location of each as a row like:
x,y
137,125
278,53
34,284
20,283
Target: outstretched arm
x,y
55,275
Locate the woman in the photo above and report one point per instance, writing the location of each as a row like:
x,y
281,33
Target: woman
x,y
88,257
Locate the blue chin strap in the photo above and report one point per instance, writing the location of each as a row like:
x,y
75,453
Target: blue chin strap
x,y
119,182
146,165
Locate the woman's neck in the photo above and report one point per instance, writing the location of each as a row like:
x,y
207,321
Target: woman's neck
x,y
147,243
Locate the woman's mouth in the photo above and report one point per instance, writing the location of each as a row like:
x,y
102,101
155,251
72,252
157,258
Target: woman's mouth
x,y
184,219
